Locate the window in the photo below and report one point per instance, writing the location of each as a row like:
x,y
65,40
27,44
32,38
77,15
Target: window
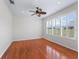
x,y
62,25
70,25
53,27
49,27
58,26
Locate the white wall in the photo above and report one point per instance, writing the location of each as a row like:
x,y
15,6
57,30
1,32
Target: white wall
x,y
26,27
5,27
69,43
23,27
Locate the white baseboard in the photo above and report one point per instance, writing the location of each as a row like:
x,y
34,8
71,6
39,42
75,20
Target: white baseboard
x,y
18,40
31,39
27,39
5,49
59,44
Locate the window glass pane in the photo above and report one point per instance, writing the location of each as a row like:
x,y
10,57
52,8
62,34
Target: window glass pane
x,y
53,27
58,26
49,27
64,25
71,23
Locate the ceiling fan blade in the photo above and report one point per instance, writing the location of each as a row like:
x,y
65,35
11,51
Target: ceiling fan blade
x,y
11,1
32,14
43,12
31,11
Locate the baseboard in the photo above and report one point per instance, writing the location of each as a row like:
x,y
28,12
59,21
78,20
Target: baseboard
x,y
15,41
60,44
33,39
27,39
5,49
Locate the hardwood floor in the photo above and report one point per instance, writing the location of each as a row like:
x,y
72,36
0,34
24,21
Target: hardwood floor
x,y
38,49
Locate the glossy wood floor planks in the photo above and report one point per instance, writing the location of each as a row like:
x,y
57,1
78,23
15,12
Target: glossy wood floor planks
x,y
38,49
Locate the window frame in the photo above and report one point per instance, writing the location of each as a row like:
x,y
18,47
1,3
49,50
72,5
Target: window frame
x,y
61,34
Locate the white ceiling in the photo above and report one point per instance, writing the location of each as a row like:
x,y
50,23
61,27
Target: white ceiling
x,y
22,7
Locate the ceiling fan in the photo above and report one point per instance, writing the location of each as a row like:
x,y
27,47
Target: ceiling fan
x,y
38,12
